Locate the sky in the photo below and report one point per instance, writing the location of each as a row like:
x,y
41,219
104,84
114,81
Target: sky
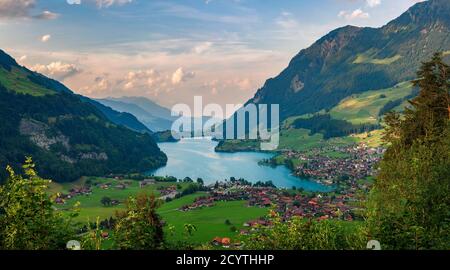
x,y
173,50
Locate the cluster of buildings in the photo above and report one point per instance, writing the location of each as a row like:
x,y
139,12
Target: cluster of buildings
x,y
358,162
74,192
285,203
168,192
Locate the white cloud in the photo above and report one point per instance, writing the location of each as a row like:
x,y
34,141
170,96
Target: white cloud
x,y
108,3
203,47
144,79
373,3
74,2
100,3
23,58
47,15
57,70
356,14
287,21
10,9
45,38
180,75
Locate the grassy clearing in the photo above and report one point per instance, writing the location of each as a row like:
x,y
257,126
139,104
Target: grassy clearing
x,y
91,206
365,108
371,139
301,140
367,59
210,222
17,81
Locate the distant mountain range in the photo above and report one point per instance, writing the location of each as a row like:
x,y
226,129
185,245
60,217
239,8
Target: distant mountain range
x,y
152,115
67,135
353,60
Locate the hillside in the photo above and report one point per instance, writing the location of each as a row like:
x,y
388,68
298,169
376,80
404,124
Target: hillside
x,y
120,118
352,60
67,136
152,115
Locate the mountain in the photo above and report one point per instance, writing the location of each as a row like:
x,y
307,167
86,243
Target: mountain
x,y
120,118
154,116
352,60
66,135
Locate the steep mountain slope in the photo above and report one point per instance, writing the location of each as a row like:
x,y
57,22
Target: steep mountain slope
x,y
154,116
67,136
352,60
120,118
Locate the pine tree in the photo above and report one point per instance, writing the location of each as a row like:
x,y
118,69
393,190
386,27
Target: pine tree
x,y
409,207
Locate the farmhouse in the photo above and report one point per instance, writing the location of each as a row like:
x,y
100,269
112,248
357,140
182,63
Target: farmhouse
x,y
146,182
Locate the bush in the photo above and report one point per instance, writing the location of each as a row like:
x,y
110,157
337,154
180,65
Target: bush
x,y
139,227
28,219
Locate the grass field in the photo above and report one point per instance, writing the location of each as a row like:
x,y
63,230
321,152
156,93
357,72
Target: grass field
x,y
365,59
365,107
301,140
18,81
91,206
210,221
371,139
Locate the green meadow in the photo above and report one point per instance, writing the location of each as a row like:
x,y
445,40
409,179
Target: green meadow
x,y
18,81
209,221
365,108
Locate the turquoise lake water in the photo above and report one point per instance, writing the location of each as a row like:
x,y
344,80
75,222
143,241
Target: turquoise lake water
x,y
196,158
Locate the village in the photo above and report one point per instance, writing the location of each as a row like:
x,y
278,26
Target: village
x,y
342,202
351,163
286,204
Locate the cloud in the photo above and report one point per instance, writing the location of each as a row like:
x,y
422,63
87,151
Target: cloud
x,y
108,3
287,21
45,38
74,2
57,70
11,9
180,75
144,79
23,58
47,15
356,14
100,3
373,3
203,47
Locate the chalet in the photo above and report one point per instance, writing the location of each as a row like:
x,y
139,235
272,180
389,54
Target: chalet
x,y
146,182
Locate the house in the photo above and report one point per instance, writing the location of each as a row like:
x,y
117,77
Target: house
x,y
217,241
146,182
224,242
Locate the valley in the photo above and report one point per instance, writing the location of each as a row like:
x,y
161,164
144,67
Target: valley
x,y
363,149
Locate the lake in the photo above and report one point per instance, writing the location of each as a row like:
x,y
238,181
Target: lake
x,y
196,158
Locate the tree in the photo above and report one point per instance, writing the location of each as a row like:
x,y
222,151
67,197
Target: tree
x,y
301,234
106,201
200,181
139,227
28,219
409,206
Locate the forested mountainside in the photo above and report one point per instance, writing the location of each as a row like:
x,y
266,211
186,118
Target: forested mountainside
x,y
352,60
66,136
